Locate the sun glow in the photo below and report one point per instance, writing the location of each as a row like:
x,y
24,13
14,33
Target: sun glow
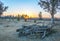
x,y
29,14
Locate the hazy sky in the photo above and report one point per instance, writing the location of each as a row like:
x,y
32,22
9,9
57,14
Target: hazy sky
x,y
29,7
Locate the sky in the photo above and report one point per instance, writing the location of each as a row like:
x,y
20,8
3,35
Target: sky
x,y
29,7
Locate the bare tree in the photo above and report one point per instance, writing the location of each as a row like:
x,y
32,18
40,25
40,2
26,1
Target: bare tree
x,y
51,6
2,8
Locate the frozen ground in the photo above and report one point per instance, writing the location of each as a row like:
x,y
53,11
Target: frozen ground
x,y
8,31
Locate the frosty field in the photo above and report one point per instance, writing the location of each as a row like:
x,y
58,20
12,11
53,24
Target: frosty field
x,y
8,31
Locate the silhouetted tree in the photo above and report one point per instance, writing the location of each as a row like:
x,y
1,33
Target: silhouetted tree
x,y
2,8
40,15
22,16
25,17
50,6
18,17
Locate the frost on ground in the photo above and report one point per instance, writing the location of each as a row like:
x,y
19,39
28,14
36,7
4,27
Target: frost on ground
x,y
8,31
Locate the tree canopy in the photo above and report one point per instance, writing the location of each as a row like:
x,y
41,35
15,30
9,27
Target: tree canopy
x,y
2,8
51,6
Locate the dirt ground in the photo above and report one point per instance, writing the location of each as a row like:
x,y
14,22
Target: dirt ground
x,y
8,31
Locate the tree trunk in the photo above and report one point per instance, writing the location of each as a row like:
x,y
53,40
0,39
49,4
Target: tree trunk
x,y
52,19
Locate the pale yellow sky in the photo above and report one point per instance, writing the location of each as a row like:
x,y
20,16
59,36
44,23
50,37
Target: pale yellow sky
x,y
31,14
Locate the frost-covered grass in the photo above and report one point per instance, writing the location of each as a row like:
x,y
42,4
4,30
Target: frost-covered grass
x,y
8,30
